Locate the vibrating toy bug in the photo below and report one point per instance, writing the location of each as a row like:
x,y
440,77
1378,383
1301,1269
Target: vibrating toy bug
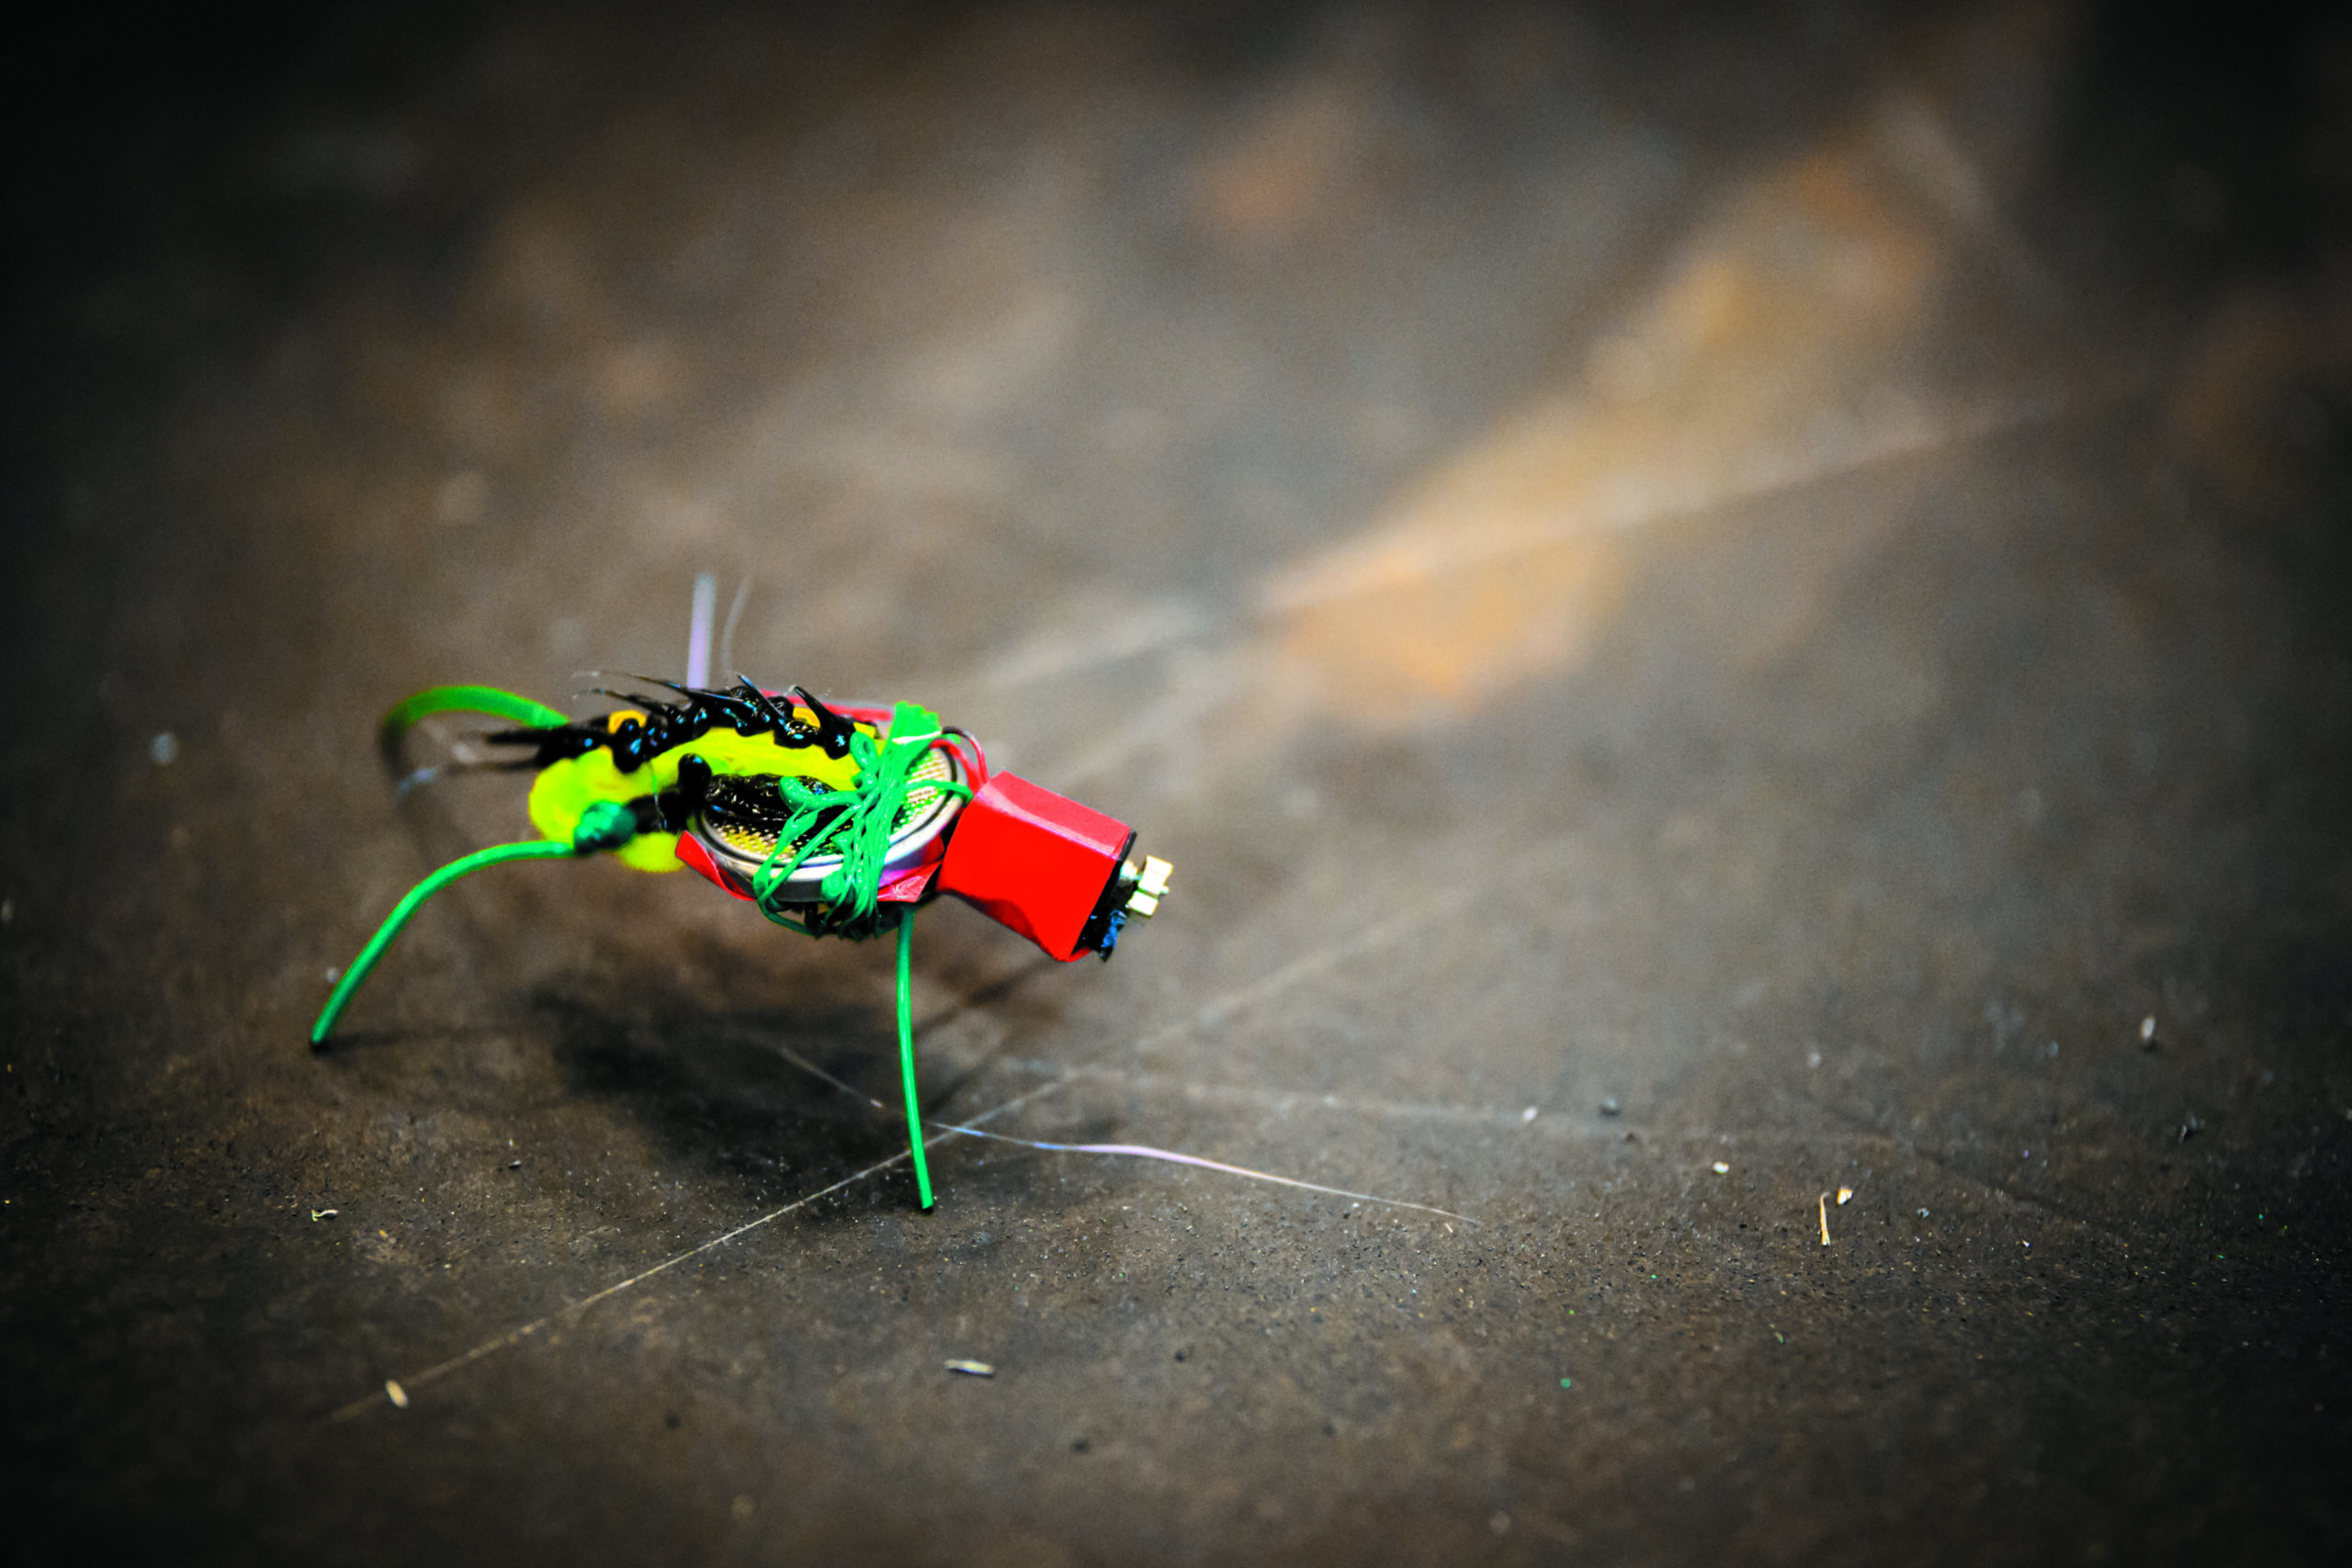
x,y
832,821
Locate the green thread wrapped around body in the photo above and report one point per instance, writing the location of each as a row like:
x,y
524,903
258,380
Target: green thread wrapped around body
x,y
855,824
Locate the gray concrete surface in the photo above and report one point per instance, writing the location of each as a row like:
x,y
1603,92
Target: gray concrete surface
x,y
1734,626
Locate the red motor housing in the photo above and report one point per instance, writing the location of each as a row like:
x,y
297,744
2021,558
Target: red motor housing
x,y
1040,864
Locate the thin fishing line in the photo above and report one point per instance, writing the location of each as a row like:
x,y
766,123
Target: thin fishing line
x,y
517,1336
698,630
1136,1151
734,614
1144,1151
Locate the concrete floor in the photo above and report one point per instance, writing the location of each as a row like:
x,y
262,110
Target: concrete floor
x,y
1713,612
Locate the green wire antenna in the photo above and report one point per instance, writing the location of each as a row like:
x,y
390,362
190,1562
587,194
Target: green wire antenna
x,y
522,711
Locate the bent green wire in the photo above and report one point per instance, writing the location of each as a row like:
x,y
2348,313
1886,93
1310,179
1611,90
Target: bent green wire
x,y
606,825
907,1056
521,711
536,848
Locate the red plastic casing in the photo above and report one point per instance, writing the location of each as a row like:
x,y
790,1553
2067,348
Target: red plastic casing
x,y
1033,860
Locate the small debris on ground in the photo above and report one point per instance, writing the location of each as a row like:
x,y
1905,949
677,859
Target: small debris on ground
x,y
2148,1033
513,1165
1528,1114
972,1368
1609,1106
1844,1195
318,1214
1721,1170
2189,1127
396,1394
1824,1219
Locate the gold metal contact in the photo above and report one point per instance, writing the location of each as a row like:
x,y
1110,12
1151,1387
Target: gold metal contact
x,y
1151,886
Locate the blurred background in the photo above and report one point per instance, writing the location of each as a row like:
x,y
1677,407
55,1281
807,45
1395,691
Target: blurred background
x,y
1734,619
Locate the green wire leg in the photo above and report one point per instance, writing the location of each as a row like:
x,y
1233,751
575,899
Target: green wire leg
x,y
536,848
521,711
907,1056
